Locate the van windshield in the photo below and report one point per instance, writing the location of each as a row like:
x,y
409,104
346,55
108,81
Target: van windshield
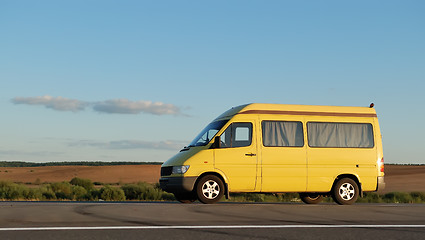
x,y
208,133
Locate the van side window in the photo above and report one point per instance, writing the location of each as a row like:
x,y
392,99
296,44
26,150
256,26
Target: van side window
x,y
282,134
340,135
237,135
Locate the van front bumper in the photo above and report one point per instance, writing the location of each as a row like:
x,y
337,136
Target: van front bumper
x,y
177,184
381,184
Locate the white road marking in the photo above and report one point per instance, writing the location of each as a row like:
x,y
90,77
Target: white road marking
x,y
205,227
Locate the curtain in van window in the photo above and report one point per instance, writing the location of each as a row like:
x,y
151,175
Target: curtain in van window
x,y
282,134
340,135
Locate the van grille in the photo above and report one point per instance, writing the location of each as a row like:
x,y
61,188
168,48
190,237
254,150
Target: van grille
x,y
166,171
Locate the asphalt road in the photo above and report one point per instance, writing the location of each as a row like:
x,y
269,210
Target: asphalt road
x,y
169,220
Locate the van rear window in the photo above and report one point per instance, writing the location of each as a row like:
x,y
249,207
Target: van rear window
x,y
282,134
340,135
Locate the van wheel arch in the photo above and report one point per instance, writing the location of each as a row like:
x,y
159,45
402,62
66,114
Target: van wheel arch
x,y
346,189
226,187
352,177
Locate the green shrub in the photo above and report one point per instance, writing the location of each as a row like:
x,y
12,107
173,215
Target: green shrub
x,y
85,183
370,198
165,196
397,197
82,190
79,193
246,197
418,197
143,191
254,197
62,190
94,194
131,191
11,191
33,194
47,193
109,193
289,197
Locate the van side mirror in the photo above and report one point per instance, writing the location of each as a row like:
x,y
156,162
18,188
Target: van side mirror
x,y
217,142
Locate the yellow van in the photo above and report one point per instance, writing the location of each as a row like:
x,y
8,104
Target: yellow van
x,y
274,148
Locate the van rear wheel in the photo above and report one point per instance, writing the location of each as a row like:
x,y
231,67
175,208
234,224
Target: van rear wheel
x,y
311,198
345,191
210,189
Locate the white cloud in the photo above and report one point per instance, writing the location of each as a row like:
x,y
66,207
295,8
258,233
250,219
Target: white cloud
x,y
118,106
55,103
125,106
130,144
19,153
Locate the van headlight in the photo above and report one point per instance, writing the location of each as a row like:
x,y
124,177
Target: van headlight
x,y
180,169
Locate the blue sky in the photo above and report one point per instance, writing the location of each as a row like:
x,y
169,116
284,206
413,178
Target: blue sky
x,y
137,80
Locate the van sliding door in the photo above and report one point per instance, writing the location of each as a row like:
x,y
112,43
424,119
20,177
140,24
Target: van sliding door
x,y
283,156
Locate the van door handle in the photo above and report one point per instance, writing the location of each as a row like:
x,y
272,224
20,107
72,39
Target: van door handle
x,y
250,154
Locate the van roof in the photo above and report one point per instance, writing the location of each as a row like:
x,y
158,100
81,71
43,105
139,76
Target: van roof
x,y
289,109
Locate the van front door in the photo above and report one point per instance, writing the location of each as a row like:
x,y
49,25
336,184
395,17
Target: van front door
x,y
237,156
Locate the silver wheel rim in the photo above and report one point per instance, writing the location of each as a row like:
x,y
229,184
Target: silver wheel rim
x,y
347,191
210,189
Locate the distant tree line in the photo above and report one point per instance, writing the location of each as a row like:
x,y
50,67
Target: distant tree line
x,y
81,163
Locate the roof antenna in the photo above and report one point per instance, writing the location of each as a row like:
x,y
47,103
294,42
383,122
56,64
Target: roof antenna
x,y
372,105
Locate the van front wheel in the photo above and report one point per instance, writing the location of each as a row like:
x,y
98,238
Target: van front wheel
x,y
345,191
311,198
210,189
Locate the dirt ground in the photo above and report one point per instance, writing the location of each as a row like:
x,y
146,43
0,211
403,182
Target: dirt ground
x,y
401,178
102,174
397,177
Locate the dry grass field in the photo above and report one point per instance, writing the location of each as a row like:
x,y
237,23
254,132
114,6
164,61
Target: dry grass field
x,y
103,174
398,178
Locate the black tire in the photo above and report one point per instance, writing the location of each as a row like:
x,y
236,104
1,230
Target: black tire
x,y
210,189
185,197
345,191
311,198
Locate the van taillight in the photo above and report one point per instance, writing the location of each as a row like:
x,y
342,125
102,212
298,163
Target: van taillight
x,y
382,165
